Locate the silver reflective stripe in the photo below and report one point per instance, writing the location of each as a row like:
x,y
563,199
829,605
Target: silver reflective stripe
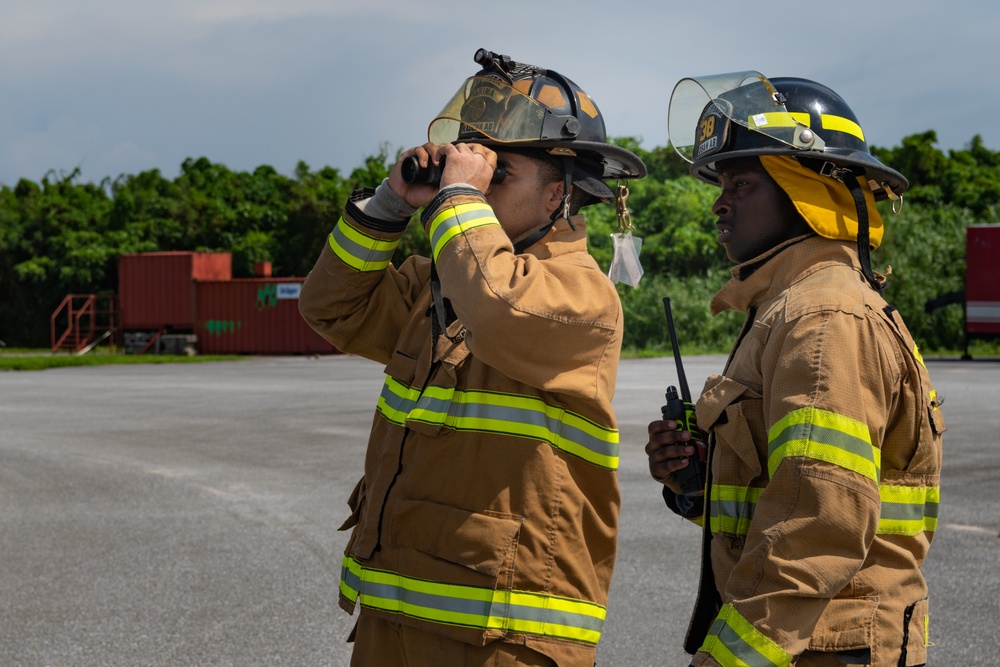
x,y
471,606
456,220
734,641
824,436
908,510
732,508
359,251
495,412
905,510
987,312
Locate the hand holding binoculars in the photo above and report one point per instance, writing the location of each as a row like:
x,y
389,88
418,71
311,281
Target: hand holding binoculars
x,y
413,173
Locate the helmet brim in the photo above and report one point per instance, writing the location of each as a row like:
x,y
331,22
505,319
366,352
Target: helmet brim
x,y
597,162
879,175
617,162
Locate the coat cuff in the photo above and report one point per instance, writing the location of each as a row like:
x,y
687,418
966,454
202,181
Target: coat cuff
x,y
688,507
360,209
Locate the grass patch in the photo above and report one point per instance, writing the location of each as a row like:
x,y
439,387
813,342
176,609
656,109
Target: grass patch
x,y
38,360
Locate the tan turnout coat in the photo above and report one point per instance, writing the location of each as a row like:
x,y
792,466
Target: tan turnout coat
x,y
825,455
488,509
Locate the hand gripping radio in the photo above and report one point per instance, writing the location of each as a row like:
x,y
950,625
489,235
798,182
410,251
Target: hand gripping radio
x,y
681,410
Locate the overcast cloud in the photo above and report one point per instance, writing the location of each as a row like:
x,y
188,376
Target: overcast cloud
x,y
121,86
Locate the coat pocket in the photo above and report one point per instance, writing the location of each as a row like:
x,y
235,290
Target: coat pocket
x,y
355,502
480,543
733,414
846,624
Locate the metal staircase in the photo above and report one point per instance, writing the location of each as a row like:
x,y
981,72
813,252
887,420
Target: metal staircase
x,y
82,322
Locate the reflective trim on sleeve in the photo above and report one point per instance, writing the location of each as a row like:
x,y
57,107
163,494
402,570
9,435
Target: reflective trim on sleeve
x,y
732,508
905,510
494,412
360,251
734,642
908,510
824,436
471,606
454,220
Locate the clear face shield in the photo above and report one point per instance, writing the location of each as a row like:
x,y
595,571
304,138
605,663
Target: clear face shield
x,y
702,109
488,107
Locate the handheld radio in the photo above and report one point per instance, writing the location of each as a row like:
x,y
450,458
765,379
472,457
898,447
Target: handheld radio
x,y
681,410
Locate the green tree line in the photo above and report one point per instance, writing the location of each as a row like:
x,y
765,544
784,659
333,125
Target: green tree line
x,y
60,236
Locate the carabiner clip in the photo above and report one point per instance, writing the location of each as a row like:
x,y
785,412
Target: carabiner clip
x,y
897,200
621,206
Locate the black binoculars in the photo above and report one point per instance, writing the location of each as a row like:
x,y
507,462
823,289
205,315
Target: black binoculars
x,y
431,174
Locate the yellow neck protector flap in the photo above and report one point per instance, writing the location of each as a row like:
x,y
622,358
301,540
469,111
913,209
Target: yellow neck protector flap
x,y
824,202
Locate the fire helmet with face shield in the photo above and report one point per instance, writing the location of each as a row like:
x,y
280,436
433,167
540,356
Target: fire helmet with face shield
x,y
806,137
518,107
743,114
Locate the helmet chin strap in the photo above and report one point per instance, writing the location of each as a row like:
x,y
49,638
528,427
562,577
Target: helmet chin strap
x,y
562,211
567,165
864,241
849,177
530,240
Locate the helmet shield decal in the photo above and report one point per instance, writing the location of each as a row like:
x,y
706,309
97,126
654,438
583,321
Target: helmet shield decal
x,y
491,108
701,110
713,128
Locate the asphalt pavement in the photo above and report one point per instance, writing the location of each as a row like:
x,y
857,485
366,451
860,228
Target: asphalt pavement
x,y
176,515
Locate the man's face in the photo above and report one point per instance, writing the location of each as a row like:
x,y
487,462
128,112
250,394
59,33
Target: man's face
x,y
520,203
754,213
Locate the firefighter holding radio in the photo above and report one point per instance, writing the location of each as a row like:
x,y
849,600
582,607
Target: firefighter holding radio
x,y
823,432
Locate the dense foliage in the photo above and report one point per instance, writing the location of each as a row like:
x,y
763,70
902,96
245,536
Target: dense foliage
x,y
60,236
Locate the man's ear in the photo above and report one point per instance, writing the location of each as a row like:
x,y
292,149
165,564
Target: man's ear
x,y
554,196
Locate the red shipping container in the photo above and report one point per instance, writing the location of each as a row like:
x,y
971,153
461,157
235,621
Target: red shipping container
x,y
254,316
982,279
156,289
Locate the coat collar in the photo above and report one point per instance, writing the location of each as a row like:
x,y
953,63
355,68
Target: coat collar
x,y
765,276
561,239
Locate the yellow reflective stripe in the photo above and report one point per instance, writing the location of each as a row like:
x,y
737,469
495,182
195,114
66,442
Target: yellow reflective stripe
x,y
360,251
777,119
800,117
841,124
471,606
905,510
734,642
494,412
790,118
732,508
350,578
919,357
549,616
824,436
397,400
908,510
455,220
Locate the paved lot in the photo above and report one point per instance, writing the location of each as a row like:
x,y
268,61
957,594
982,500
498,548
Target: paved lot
x,y
186,515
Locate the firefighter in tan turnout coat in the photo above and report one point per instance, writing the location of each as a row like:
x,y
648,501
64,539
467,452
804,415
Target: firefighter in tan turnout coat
x,y
824,431
485,525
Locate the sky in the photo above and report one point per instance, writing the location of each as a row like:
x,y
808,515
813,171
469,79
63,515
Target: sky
x,y
118,87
